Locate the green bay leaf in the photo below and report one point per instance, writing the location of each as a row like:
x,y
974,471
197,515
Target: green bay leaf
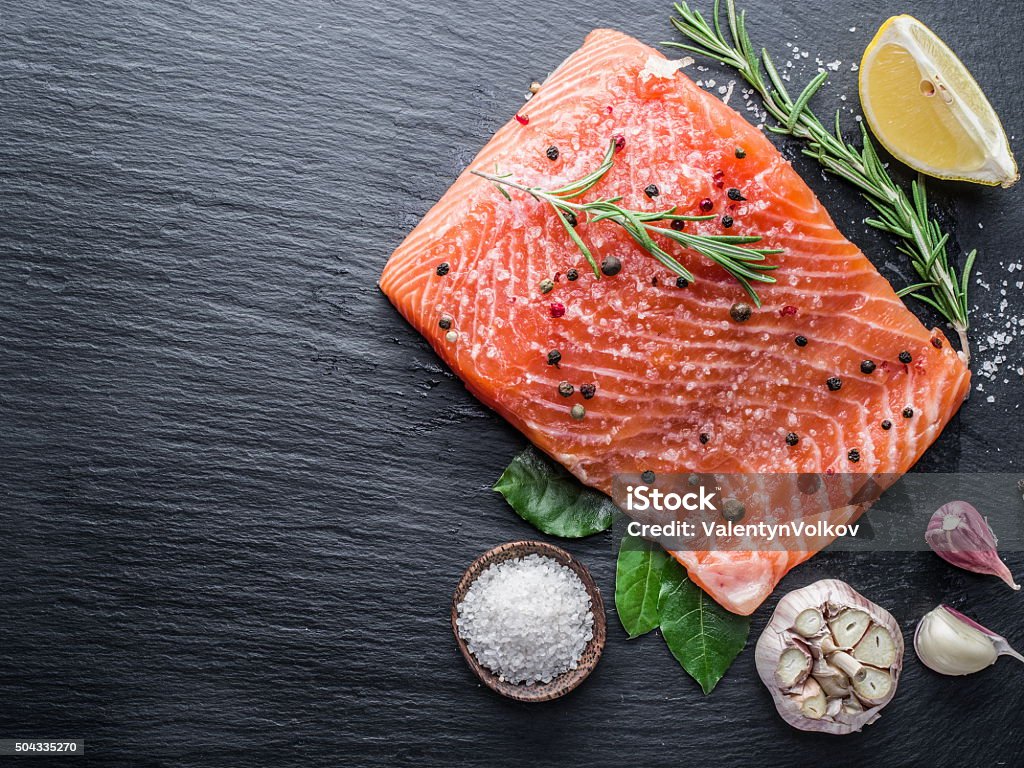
x,y
638,576
546,495
703,636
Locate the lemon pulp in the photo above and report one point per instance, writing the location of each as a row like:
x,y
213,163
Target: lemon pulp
x,y
925,108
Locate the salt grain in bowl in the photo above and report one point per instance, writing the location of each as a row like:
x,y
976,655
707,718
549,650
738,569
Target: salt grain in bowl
x,y
527,620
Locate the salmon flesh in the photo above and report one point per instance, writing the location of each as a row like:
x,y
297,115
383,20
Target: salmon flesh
x,y
680,385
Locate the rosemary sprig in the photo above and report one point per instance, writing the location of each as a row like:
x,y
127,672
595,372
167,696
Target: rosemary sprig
x,y
901,215
746,265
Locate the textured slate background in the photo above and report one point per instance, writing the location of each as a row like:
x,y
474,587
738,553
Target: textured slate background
x,y
236,490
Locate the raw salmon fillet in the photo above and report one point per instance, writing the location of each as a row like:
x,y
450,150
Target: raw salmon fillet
x,y
669,364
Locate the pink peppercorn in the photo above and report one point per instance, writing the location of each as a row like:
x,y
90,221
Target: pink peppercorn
x,y
523,119
557,309
620,141
706,204
787,310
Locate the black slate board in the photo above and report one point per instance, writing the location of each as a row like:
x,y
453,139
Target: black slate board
x,y
237,490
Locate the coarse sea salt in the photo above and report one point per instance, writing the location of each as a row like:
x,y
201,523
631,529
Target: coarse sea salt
x,y
527,620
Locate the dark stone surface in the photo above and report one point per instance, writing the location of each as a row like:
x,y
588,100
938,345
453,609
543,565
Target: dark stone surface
x,y
237,490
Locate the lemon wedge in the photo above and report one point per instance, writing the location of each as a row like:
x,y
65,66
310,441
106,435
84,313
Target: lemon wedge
x,y
925,108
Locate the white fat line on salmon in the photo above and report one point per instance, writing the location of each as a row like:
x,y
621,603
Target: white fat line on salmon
x,y
771,532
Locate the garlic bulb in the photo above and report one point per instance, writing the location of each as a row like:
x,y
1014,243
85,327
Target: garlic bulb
x,y
949,643
961,536
830,658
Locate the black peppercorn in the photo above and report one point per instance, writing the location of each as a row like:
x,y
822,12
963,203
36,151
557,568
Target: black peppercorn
x,y
908,412
572,275
588,391
565,389
651,190
905,357
443,268
740,153
740,312
792,439
552,152
937,342
704,437
800,341
867,366
834,383
733,510
554,357
445,322
682,282
611,266
727,221
808,483
647,476
678,225
853,455
735,194
571,218
886,425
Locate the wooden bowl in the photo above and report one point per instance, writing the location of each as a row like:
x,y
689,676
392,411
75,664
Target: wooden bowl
x,y
566,681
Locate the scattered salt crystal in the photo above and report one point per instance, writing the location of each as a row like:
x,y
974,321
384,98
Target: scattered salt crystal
x,y
853,29
528,620
664,69
834,65
728,92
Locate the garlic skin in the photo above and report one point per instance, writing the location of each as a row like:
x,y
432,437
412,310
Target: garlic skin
x,y
840,693
949,643
962,537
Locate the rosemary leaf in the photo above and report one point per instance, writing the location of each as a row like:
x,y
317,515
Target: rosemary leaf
x,y
906,217
746,265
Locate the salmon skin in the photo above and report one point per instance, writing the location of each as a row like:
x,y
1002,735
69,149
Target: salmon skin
x,y
680,385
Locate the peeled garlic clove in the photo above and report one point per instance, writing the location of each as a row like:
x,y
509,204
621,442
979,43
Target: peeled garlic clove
x,y
827,645
794,666
849,626
961,536
833,682
811,699
876,648
950,643
873,685
809,622
808,619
